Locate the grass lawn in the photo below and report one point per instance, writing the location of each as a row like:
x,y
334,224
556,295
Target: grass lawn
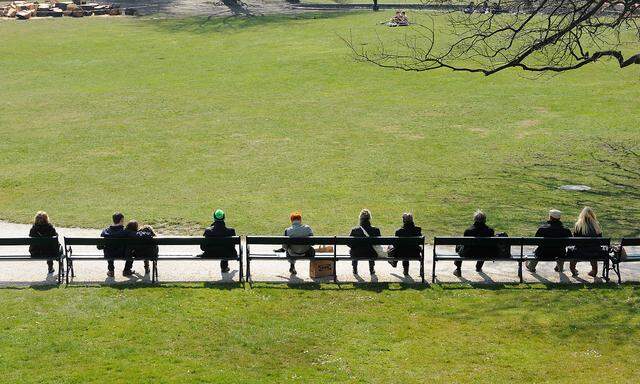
x,y
168,119
275,334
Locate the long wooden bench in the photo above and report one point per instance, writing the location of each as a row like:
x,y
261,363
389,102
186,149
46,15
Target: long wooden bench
x,y
629,255
161,242
388,241
281,256
520,254
333,241
26,256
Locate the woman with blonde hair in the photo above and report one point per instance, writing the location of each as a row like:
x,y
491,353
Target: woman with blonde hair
x,y
587,225
42,227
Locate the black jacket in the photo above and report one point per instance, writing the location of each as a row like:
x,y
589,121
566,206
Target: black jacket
x,y
588,252
44,230
145,252
479,230
552,229
407,230
367,251
115,232
219,229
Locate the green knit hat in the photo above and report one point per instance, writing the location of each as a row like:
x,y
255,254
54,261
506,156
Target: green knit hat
x,y
218,214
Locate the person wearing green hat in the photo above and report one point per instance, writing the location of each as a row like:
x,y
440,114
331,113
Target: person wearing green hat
x,y
219,229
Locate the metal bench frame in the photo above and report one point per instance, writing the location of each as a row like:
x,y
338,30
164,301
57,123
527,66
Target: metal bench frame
x,y
333,241
26,241
521,256
160,241
616,259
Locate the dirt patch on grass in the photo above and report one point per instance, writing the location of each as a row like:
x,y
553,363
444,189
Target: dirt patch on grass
x,y
482,132
528,123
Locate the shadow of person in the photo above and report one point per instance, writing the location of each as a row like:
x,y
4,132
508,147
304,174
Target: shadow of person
x,y
485,278
405,279
358,278
374,278
229,277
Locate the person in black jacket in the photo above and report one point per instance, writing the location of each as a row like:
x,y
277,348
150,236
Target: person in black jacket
x,y
143,251
364,252
42,227
117,231
553,228
478,229
409,229
219,229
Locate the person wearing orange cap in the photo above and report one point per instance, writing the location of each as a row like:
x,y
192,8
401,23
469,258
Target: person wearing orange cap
x,y
297,229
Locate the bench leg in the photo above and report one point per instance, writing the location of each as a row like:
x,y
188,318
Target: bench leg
x,y
154,272
248,269
433,271
60,273
240,272
422,271
520,272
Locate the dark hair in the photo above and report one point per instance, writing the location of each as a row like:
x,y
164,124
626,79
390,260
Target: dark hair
x,y
117,217
132,225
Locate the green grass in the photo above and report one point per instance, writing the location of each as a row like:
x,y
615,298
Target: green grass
x,y
168,119
275,334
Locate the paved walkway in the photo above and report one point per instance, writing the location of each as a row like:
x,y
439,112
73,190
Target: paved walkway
x,y
94,272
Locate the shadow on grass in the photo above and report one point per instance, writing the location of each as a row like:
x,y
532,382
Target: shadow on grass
x,y
217,24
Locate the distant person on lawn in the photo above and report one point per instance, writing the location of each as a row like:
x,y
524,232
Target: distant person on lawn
x,y
219,229
553,228
409,229
42,227
365,229
587,225
117,231
479,228
144,252
297,229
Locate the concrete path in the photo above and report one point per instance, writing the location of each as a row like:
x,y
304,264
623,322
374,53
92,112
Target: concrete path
x,y
94,272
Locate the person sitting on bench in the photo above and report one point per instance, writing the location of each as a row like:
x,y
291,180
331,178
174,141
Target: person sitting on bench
x,y
552,229
365,229
42,227
297,229
144,252
587,225
116,231
219,229
409,229
478,229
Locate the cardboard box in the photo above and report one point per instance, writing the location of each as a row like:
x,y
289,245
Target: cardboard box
x,y
321,268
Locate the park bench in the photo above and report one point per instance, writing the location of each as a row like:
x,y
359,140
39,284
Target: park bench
x,y
332,241
279,241
521,253
191,244
629,256
26,256
388,241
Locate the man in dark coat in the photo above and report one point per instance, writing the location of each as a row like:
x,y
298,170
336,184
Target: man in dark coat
x,y
366,251
478,229
409,229
553,228
117,231
219,229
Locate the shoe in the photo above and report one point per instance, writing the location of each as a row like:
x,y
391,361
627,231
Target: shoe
x,y
478,269
394,263
372,271
530,269
457,273
292,270
110,274
574,272
593,273
559,270
406,273
128,273
355,270
226,270
51,271
147,270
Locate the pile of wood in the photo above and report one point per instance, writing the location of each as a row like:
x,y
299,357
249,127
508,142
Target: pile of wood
x,y
25,10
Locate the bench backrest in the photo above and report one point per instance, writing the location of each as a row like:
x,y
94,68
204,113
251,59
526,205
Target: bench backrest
x,y
101,241
518,241
630,241
13,241
280,240
388,240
